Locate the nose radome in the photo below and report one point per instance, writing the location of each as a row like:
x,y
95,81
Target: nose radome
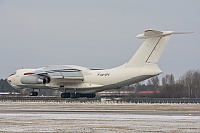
x,y
9,80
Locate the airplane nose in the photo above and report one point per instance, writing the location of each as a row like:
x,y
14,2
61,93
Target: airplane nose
x,y
9,80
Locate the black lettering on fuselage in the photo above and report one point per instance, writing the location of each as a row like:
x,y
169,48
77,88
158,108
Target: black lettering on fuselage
x,y
103,74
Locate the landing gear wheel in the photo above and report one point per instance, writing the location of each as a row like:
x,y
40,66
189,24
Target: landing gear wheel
x,y
65,95
33,93
92,95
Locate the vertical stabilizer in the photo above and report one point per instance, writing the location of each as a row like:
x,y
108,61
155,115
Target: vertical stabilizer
x,y
151,49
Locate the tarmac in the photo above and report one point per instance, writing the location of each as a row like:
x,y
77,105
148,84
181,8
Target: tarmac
x,y
92,117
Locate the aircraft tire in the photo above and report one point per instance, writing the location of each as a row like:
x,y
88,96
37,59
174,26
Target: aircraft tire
x,y
91,95
33,93
65,95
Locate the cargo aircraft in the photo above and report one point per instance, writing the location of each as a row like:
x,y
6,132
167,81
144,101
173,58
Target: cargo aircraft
x,y
77,81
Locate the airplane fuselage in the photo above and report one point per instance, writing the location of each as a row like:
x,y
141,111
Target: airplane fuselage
x,y
93,80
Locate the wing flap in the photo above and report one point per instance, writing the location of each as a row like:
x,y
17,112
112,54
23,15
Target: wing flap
x,y
63,73
67,78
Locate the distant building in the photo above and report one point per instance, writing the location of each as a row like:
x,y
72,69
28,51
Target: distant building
x,y
148,93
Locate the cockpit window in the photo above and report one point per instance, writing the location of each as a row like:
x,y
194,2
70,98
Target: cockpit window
x,y
13,73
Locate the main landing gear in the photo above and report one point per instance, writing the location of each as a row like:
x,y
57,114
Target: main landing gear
x,y
33,93
77,95
65,95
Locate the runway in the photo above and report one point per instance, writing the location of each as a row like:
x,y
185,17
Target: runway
x,y
123,112
111,118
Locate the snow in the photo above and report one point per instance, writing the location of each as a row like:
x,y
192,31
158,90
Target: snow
x,y
73,122
98,117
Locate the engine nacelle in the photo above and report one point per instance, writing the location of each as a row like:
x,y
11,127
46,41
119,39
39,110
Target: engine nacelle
x,y
32,79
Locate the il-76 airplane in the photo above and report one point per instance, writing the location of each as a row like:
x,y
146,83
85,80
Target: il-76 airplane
x,y
77,81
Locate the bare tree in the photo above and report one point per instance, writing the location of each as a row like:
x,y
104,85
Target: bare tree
x,y
168,79
163,81
191,81
154,81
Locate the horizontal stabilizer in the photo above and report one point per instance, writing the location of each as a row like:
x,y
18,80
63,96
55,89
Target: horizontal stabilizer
x,y
182,32
155,33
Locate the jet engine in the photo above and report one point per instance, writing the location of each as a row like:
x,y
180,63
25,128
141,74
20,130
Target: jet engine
x,y
34,79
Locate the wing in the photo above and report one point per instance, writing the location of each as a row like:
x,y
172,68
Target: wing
x,y
69,74
60,72
47,74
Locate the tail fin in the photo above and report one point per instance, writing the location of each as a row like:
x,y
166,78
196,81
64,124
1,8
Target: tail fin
x,y
152,48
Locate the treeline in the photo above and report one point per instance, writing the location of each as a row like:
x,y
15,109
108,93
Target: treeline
x,y
5,87
188,85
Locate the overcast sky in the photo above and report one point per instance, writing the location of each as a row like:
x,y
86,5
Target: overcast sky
x,y
95,33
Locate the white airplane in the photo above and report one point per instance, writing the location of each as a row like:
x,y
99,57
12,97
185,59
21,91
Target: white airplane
x,y
77,81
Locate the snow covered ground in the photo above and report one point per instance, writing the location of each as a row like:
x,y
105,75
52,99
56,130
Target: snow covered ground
x,y
97,123
40,118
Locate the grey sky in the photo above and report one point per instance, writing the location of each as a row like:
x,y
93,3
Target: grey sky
x,y
95,33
